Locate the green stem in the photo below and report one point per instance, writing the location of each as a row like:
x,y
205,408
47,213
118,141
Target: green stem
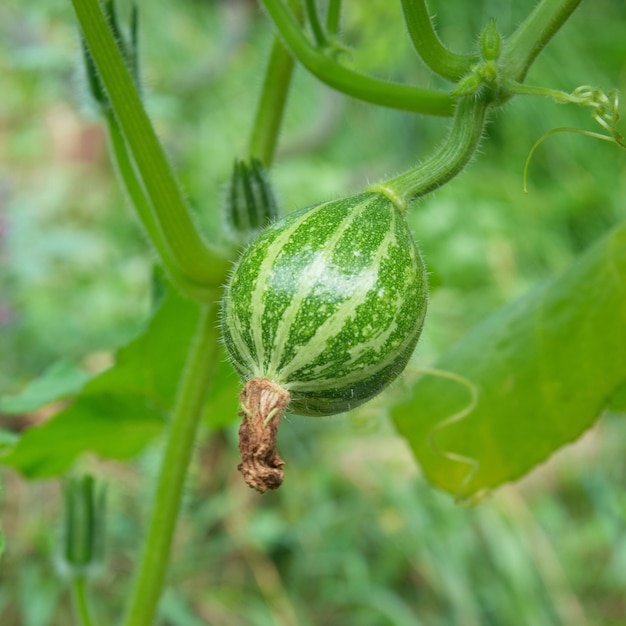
x,y
523,46
126,171
333,17
433,52
140,202
81,605
178,449
314,21
447,162
355,84
557,95
520,89
194,258
271,106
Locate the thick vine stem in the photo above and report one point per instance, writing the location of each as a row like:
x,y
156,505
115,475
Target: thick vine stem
x,y
190,400
355,84
263,404
333,17
427,44
447,162
524,45
122,162
193,258
271,105
272,102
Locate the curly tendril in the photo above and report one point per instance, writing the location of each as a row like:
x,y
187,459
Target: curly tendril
x,y
605,111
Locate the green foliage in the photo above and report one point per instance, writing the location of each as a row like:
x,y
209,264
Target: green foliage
x,y
61,380
353,522
7,440
617,402
125,406
118,428
375,545
544,368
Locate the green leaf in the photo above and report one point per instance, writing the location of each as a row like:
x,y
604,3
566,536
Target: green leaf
x,y
115,427
123,409
61,380
7,440
544,368
222,405
617,402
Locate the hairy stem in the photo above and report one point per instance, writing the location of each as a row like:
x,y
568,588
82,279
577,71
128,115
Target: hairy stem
x,y
193,258
448,160
178,449
141,203
523,46
353,83
433,52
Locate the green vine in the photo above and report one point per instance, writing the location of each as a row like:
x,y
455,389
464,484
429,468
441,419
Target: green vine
x,y
530,38
316,25
430,48
447,162
350,82
140,202
193,258
194,383
333,17
271,105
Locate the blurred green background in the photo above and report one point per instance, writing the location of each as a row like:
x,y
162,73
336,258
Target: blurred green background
x,y
355,536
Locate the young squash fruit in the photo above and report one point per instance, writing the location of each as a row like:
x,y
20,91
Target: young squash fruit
x,y
321,313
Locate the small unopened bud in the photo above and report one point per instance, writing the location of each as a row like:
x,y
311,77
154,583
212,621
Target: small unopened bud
x,y
490,41
251,204
468,85
82,540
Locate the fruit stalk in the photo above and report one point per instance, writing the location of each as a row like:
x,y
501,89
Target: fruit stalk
x,y
453,155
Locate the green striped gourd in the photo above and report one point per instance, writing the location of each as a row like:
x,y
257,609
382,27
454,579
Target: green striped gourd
x,y
323,311
329,303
